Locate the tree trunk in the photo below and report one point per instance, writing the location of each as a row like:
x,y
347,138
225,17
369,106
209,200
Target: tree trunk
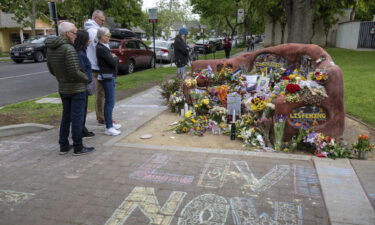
x,y
273,33
352,13
300,14
232,28
282,32
33,18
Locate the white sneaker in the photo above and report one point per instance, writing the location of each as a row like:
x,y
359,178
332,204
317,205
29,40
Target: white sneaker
x,y
112,132
116,126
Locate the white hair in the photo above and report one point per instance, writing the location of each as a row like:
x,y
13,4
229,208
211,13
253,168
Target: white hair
x,y
65,27
101,32
97,13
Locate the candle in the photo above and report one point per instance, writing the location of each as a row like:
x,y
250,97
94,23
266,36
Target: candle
x,y
182,112
186,108
234,116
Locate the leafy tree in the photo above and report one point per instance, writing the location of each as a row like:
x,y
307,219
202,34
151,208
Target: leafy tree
x,y
125,12
26,11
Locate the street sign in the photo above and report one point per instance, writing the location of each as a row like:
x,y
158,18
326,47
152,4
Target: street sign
x,y
153,15
240,15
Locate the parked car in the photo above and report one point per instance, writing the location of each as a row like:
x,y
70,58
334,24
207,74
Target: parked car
x,y
218,43
132,53
205,47
32,49
164,50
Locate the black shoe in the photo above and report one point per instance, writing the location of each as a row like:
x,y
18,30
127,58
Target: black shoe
x,y
88,135
64,150
82,150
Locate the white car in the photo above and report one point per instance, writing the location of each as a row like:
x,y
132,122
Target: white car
x,y
164,50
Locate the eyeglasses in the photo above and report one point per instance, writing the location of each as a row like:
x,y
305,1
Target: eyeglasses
x,y
108,35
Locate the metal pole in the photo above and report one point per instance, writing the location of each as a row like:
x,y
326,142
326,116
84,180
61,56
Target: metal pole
x,y
204,48
153,36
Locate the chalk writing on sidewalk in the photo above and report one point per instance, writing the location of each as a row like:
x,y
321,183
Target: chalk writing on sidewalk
x,y
145,199
13,197
244,212
214,173
148,171
306,182
205,209
259,185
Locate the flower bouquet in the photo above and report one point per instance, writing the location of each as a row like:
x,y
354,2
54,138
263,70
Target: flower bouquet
x,y
176,101
278,127
218,114
363,146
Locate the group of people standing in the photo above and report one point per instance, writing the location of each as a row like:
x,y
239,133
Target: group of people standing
x,y
83,65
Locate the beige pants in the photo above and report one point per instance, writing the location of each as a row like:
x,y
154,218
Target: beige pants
x,y
99,98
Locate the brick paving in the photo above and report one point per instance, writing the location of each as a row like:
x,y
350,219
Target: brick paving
x,y
88,189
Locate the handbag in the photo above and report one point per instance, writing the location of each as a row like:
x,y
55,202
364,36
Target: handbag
x,y
106,76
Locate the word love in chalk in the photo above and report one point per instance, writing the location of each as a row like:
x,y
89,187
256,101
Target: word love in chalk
x,y
213,176
204,209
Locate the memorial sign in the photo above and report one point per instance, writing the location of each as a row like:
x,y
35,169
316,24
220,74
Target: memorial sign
x,y
307,116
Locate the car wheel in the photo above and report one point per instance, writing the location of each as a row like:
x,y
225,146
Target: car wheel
x,y
38,57
130,67
152,62
18,60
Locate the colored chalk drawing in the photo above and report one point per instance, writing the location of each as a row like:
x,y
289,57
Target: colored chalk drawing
x,y
148,171
245,213
144,198
306,182
13,197
214,173
205,209
259,185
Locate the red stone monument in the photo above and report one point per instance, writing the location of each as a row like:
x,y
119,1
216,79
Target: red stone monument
x,y
333,105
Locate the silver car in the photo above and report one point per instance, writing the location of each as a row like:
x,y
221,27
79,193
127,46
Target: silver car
x,y
164,50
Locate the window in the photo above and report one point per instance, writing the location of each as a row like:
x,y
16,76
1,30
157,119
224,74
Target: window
x,y
131,44
142,46
114,44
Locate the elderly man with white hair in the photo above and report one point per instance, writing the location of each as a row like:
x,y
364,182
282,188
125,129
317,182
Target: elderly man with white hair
x,y
62,62
92,26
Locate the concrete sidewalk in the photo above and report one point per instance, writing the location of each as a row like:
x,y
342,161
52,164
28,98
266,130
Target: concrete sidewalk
x,y
134,184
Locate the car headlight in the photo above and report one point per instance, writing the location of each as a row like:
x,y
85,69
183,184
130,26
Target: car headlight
x,y
29,49
11,49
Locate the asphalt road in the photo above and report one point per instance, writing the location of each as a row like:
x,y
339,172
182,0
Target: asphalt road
x,y
28,80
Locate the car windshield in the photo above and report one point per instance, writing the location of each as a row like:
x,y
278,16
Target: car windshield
x,y
201,42
161,44
114,44
36,40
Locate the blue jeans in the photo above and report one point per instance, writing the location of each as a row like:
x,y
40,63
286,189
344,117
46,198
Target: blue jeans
x,y
181,71
109,96
73,113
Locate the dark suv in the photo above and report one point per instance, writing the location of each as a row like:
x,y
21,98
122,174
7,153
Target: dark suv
x,y
32,49
132,53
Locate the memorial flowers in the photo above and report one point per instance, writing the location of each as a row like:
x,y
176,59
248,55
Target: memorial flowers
x,y
279,126
176,101
218,114
190,83
363,144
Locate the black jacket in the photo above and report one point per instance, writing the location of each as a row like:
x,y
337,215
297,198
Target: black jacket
x,y
106,62
181,52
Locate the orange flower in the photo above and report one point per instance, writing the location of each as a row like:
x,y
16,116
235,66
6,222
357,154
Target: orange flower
x,y
362,137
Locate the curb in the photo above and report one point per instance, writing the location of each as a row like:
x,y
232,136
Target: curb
x,y
23,128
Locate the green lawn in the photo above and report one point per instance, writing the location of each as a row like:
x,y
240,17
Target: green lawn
x,y
358,68
31,112
221,54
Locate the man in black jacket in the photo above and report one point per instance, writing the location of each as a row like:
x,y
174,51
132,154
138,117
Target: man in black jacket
x,y
181,51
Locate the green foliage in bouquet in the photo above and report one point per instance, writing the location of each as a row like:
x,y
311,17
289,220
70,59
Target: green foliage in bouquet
x,y
169,87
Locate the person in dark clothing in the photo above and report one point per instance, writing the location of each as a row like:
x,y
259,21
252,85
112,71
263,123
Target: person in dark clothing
x,y
63,63
181,51
80,44
107,64
227,45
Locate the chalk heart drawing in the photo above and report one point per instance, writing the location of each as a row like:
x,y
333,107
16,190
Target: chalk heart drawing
x,y
144,198
205,209
14,197
245,213
214,173
148,171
